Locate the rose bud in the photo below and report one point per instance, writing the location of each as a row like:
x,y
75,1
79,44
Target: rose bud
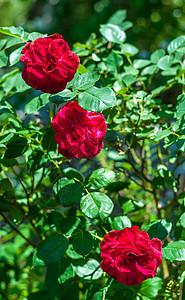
x,y
78,132
49,64
129,255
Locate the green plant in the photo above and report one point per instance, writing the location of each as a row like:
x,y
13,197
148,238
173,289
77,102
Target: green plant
x,y
58,210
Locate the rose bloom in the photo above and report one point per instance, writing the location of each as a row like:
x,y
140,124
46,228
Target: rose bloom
x,y
49,64
130,256
78,132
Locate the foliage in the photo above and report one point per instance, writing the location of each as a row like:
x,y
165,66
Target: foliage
x,y
55,211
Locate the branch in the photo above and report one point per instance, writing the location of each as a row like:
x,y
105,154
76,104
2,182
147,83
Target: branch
x,y
16,230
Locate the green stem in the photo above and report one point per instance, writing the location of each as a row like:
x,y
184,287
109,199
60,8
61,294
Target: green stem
x,y
97,237
54,109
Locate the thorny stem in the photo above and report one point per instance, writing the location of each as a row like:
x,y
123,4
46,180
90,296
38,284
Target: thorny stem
x,y
103,298
56,164
27,217
160,153
25,190
16,230
54,109
135,181
181,291
142,157
50,112
42,176
165,268
157,204
141,174
23,211
97,237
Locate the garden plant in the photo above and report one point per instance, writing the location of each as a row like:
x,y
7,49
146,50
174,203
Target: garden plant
x,y
92,198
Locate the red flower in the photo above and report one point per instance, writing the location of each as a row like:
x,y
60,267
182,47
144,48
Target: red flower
x,y
130,256
49,64
78,132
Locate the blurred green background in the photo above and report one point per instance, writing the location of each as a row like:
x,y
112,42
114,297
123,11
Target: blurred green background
x,y
156,22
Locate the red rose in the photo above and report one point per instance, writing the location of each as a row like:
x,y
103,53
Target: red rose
x,y
130,256
78,132
49,64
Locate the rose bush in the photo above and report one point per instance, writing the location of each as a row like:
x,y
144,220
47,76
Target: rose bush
x,y
49,64
78,132
53,211
130,256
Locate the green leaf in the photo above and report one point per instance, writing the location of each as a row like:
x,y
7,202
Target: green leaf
x,y
36,160
151,287
41,295
82,69
89,269
174,251
86,80
131,205
158,229
12,41
71,173
68,191
113,61
100,178
170,72
118,17
52,248
175,44
59,277
126,25
6,137
121,222
141,63
82,242
20,84
150,70
113,33
69,225
181,109
97,99
48,141
65,95
96,205
36,104
162,134
15,56
117,186
129,79
182,220
13,31
2,43
3,58
15,81
8,162
157,55
181,143
54,219
35,35
72,253
6,192
165,62
16,147
37,262
129,50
